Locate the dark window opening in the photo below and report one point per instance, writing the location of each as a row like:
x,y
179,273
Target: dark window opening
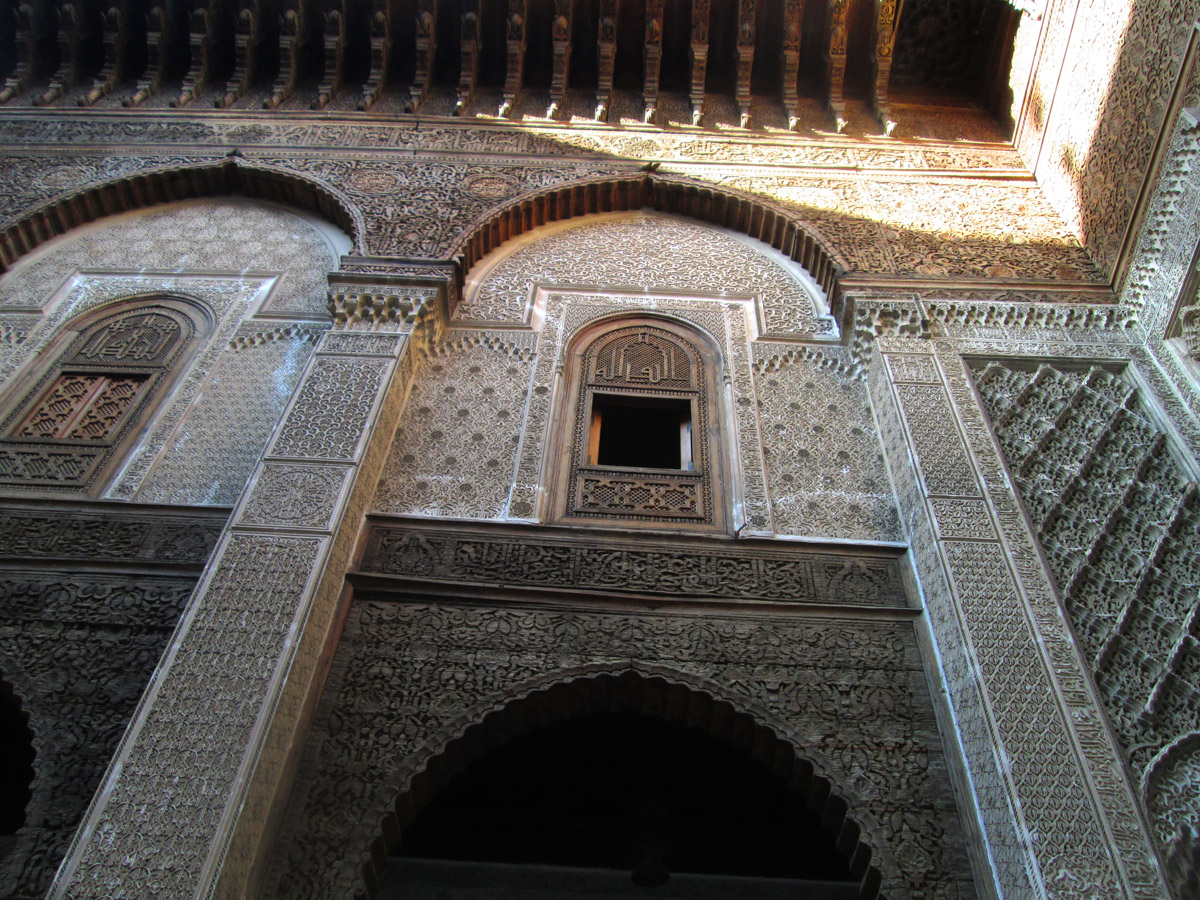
x,y
641,432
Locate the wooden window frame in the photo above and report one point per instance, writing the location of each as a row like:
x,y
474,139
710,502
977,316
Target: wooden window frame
x,y
587,492
75,464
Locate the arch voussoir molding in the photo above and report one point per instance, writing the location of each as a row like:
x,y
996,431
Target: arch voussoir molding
x,y
168,185
738,211
652,690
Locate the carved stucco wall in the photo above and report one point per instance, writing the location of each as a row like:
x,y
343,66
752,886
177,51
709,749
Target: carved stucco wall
x,y
457,443
824,462
1119,521
648,253
1103,98
884,208
79,647
259,269
849,695
802,410
226,235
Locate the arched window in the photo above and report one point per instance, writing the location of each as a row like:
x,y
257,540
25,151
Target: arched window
x,y
91,391
643,427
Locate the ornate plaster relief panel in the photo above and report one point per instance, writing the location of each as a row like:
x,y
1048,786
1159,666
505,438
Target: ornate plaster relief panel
x,y
247,369
1000,633
88,600
523,492
422,204
1105,99
824,462
474,435
226,235
847,691
457,443
648,253
1119,521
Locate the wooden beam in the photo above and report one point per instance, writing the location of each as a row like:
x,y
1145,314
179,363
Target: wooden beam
x,y
426,44
792,19
747,10
246,35
26,47
115,38
70,35
333,45
654,32
160,25
700,11
606,43
291,37
381,49
518,15
468,73
560,32
887,21
835,61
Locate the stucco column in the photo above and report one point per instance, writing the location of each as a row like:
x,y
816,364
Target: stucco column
x,y
187,800
1057,814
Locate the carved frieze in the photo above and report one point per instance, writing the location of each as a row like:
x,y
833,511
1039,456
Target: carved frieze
x,y
550,558
109,534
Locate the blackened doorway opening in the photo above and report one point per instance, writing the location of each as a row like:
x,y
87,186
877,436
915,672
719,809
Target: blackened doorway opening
x,y
618,799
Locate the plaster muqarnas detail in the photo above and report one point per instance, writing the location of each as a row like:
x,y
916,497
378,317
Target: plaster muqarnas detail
x,y
1119,520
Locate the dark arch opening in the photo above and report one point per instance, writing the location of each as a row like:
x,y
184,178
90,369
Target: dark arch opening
x,y
658,695
16,767
632,797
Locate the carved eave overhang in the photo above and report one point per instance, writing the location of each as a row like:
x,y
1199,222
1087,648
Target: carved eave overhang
x,y
408,557
500,58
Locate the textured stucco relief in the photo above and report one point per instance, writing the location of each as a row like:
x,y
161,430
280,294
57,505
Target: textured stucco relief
x,y
88,645
79,648
646,253
935,227
999,630
1109,105
456,447
1118,520
205,670
853,689
214,449
217,235
824,464
243,130
422,207
242,376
